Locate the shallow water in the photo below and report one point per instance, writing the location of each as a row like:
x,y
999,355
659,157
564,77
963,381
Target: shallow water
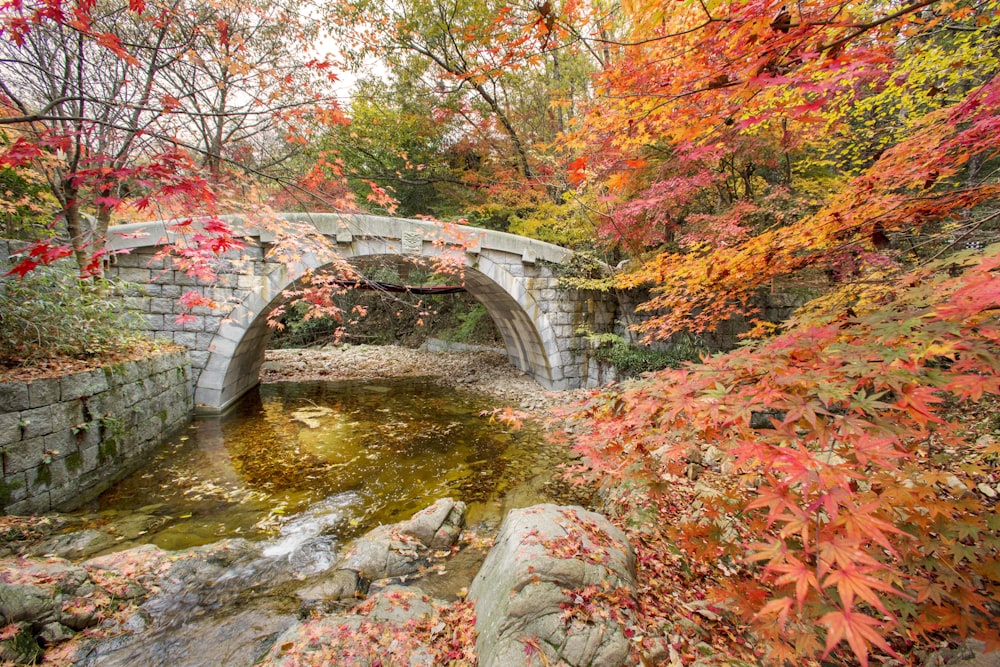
x,y
294,461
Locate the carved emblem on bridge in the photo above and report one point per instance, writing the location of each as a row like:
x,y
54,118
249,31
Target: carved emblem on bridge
x,y
413,243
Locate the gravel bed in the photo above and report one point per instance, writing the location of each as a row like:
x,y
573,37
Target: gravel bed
x,y
484,371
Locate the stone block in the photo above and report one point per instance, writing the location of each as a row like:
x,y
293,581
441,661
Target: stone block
x,y
65,496
223,346
33,504
194,323
10,428
134,274
13,396
151,387
66,415
153,288
15,487
139,304
248,282
111,402
25,455
154,264
91,458
226,280
160,363
36,423
79,385
60,444
58,474
129,260
44,391
156,322
133,370
170,291
114,376
161,305
132,290
187,281
150,431
212,324
132,394
88,435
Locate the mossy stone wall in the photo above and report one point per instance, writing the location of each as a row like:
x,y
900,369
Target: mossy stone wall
x,y
64,440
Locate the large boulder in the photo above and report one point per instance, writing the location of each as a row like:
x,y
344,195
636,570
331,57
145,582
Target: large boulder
x,y
559,581
395,550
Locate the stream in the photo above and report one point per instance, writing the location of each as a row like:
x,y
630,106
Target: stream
x,y
351,454
274,489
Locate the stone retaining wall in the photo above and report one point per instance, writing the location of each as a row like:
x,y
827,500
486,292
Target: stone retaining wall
x,y
772,307
66,439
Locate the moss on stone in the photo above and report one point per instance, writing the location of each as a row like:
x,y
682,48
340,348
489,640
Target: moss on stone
x,y
7,489
74,461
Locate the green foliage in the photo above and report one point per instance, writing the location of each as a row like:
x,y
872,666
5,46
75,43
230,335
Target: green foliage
x,y
25,205
563,224
7,489
51,313
381,318
495,215
585,270
632,360
74,461
393,140
113,431
474,325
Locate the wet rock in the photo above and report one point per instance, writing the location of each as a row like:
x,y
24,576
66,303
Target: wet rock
x,y
438,526
239,639
342,585
62,575
80,618
402,549
558,581
385,552
207,609
79,544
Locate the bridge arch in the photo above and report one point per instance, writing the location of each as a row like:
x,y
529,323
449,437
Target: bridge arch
x,y
511,276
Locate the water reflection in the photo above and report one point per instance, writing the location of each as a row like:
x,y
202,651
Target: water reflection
x,y
375,452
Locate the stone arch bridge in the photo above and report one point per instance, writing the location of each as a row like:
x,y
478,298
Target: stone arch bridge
x,y
513,277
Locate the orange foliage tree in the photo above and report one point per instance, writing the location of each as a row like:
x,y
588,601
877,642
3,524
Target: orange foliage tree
x,y
735,144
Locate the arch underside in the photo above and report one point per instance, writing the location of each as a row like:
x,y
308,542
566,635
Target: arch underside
x,y
238,350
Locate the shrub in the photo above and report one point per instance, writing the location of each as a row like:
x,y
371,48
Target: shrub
x,y
632,360
52,313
